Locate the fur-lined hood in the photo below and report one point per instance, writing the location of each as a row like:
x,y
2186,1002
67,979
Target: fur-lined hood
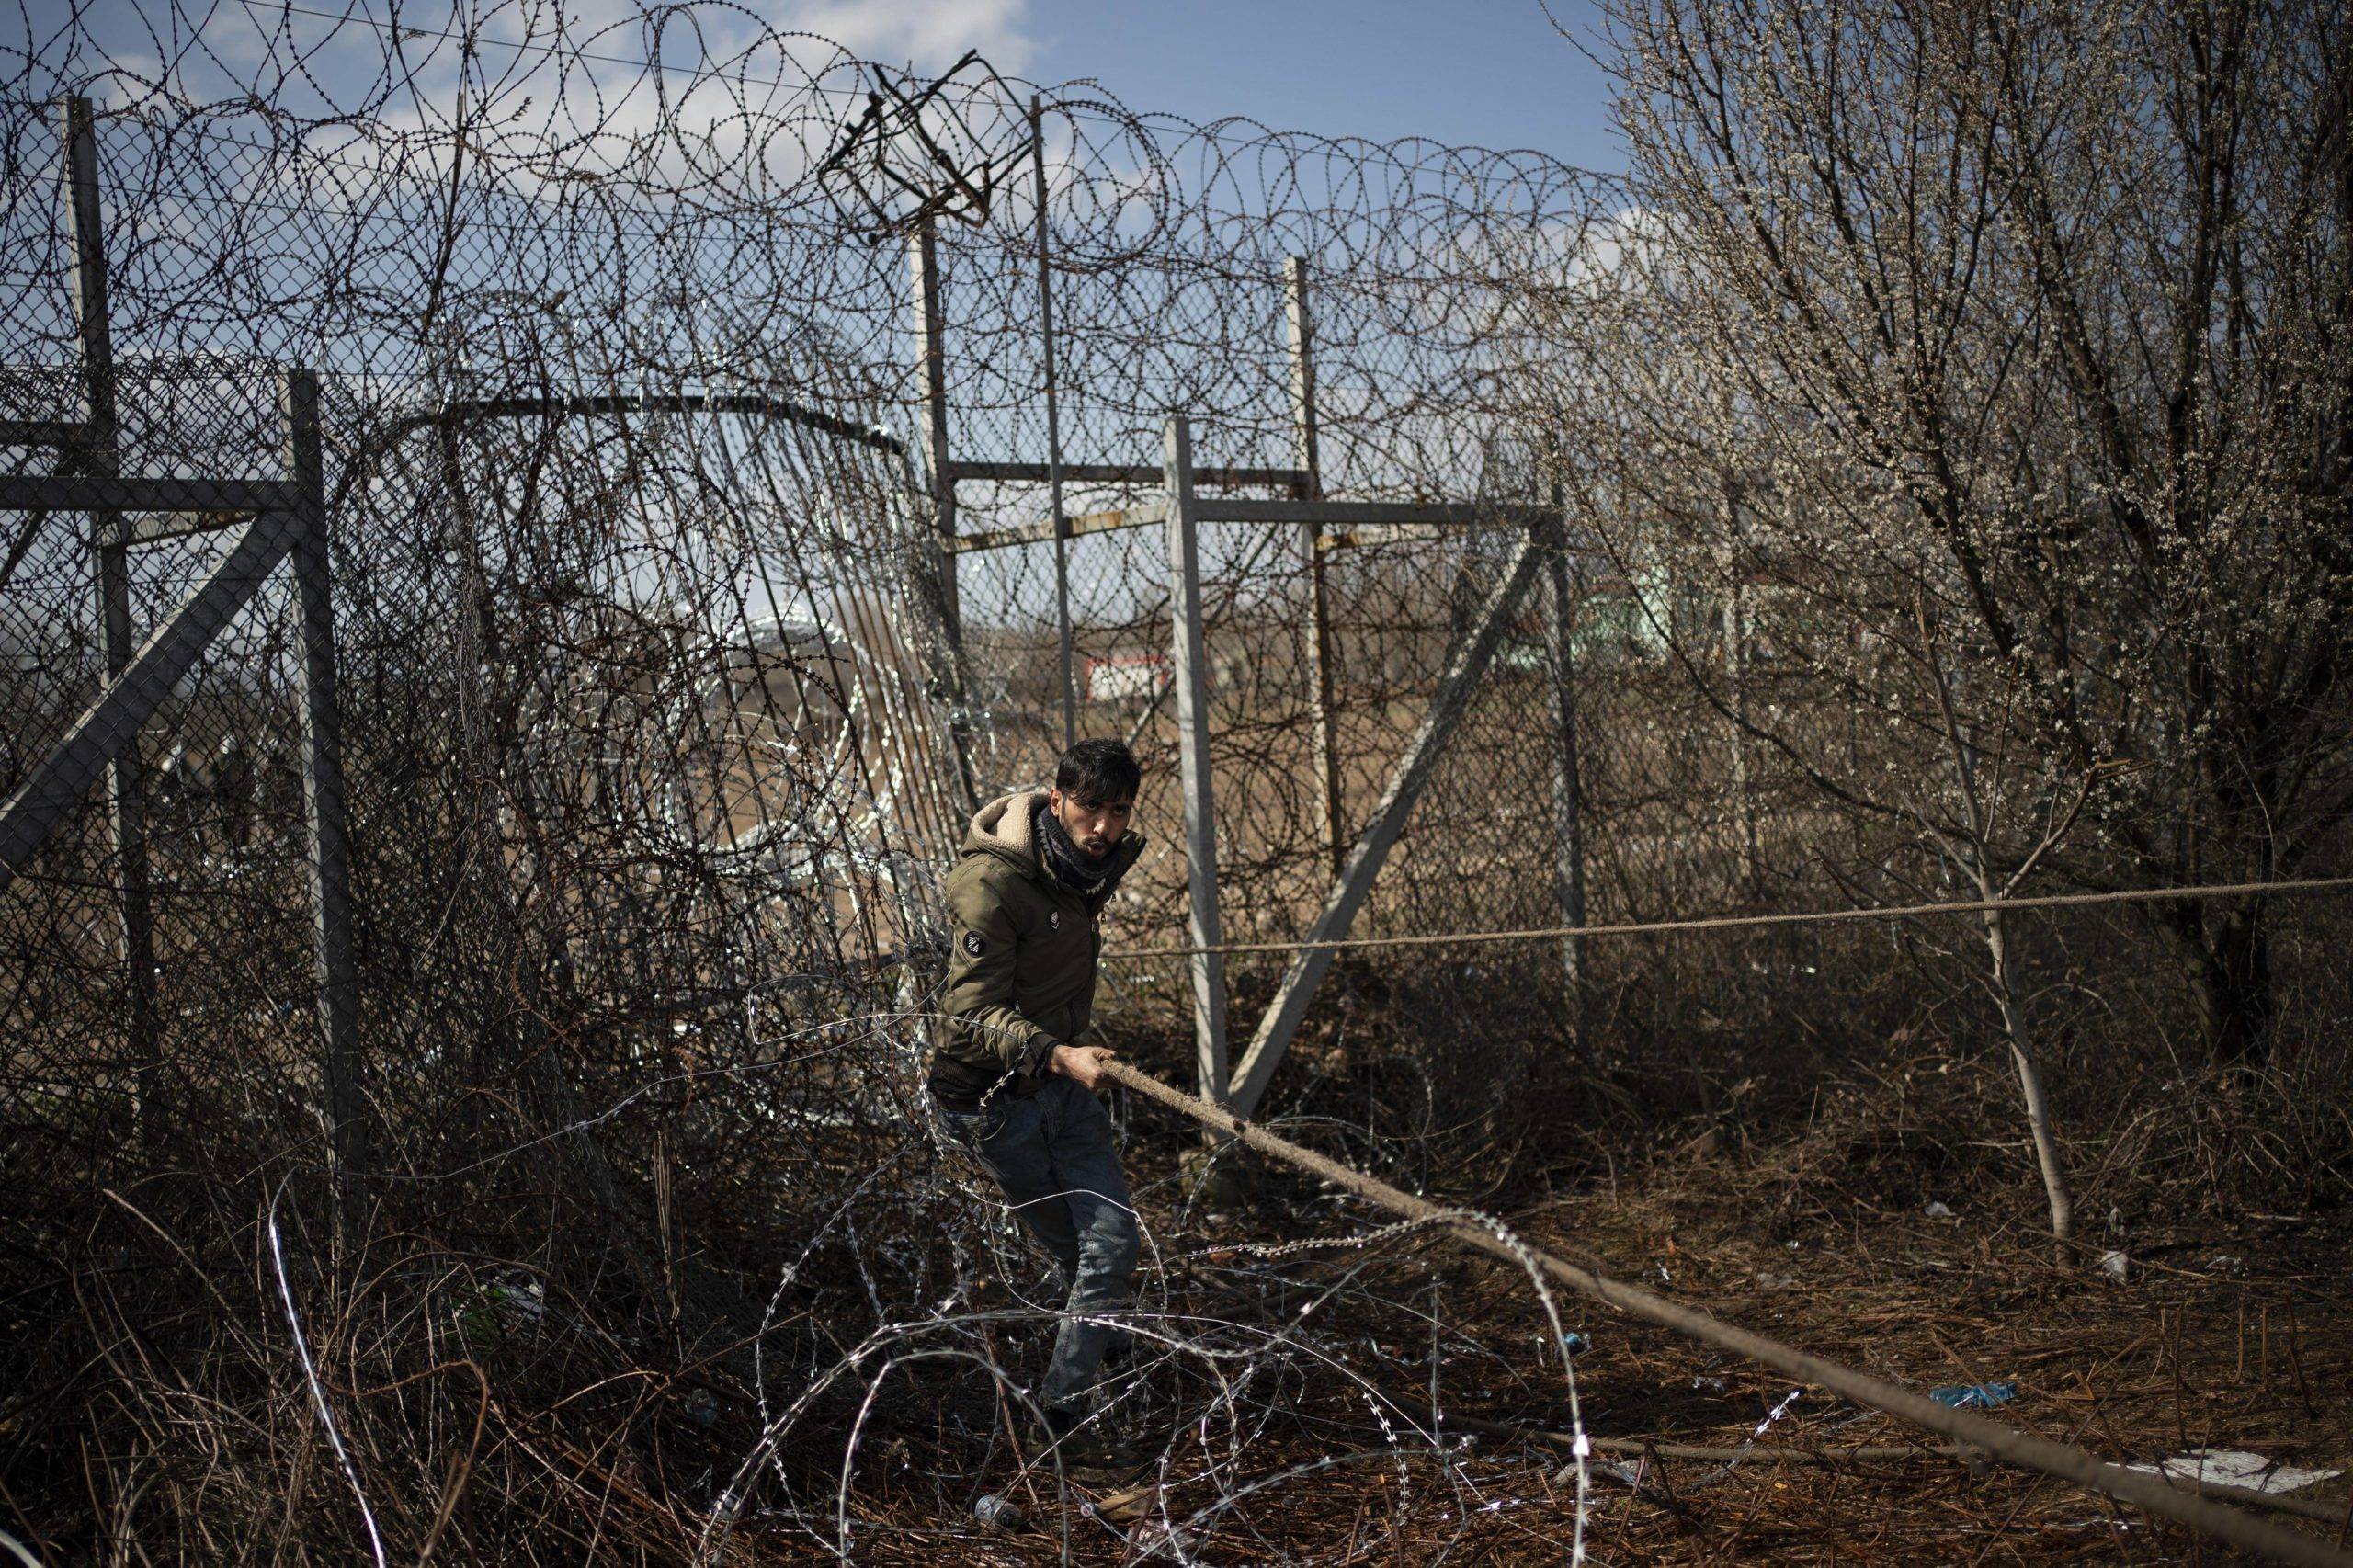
x,y
1007,827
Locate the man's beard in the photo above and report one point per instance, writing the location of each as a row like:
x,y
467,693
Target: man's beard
x,y
1072,863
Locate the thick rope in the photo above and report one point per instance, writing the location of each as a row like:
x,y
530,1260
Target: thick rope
x,y
1734,922
2063,1460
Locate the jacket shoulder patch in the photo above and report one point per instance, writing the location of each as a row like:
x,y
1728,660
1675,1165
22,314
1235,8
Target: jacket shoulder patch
x,y
972,943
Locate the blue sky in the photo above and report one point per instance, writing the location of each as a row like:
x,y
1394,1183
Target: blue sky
x,y
1488,72
1492,73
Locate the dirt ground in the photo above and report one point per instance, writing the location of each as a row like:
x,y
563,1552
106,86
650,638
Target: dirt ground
x,y
2231,1340
2227,1331
2238,1337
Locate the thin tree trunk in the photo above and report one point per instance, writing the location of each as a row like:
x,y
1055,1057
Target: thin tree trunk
x,y
2038,1105
2003,960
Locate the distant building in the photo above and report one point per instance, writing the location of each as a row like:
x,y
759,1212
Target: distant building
x,y
1125,677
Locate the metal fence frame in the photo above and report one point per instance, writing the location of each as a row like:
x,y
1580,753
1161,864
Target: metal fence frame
x,y
281,519
290,519
1325,525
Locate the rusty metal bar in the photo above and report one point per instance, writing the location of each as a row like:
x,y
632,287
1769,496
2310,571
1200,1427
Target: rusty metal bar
x,y
1116,474
1358,518
1145,516
1455,514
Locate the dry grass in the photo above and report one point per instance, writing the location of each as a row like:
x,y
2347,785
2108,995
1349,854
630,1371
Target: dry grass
x,y
1764,1121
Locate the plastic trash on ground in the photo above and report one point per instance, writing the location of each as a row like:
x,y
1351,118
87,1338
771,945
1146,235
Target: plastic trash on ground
x,y
992,1509
1936,1211
2235,1467
1974,1396
487,1313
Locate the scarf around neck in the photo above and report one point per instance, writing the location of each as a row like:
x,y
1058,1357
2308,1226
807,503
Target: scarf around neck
x,y
1088,876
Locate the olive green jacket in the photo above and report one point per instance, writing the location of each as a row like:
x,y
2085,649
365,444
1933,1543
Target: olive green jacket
x,y
1022,950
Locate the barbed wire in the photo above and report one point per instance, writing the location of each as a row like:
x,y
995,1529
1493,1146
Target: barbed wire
x,y
657,729
665,692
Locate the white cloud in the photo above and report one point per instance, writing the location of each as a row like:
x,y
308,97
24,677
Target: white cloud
x,y
931,35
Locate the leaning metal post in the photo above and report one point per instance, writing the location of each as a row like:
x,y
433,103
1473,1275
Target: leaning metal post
x,y
333,971
1190,671
97,454
57,784
1466,665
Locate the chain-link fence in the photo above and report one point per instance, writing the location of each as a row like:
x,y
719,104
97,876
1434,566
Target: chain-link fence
x,y
550,705
509,608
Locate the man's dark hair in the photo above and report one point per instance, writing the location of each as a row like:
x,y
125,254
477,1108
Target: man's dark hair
x,y
1099,773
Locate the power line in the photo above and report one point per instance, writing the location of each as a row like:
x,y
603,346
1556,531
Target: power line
x,y
1737,922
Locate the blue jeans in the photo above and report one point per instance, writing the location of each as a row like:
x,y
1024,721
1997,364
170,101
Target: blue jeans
x,y
1051,1152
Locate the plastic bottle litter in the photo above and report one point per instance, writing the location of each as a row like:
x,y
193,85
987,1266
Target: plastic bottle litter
x,y
1985,1396
992,1509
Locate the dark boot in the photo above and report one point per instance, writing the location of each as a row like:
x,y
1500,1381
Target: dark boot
x,y
1084,1453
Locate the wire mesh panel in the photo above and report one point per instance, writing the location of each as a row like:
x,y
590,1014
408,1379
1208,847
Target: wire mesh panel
x,y
600,843
509,608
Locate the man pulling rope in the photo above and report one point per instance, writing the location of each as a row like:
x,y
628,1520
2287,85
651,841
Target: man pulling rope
x,y
1023,900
